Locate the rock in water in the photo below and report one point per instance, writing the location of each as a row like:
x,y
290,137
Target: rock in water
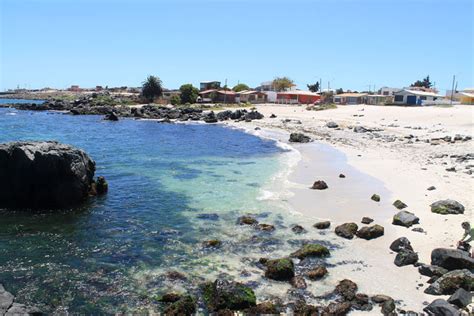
x,y
111,117
445,207
44,175
401,243
280,269
370,232
311,250
184,306
451,259
319,185
322,225
222,294
452,281
346,230
299,138
6,300
404,218
440,307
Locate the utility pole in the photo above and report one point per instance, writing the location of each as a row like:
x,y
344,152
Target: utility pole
x,y
320,85
452,90
225,91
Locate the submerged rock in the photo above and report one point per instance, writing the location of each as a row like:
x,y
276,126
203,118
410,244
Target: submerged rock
x,y
404,218
247,220
280,269
317,273
451,259
452,281
184,306
299,138
44,175
222,294
213,243
298,282
370,232
319,185
266,227
401,243
298,229
311,250
445,207
322,225
346,230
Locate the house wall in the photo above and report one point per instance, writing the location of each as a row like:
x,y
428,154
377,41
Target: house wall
x,y
467,100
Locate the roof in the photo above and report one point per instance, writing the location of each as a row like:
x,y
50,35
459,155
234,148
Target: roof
x,y
207,91
299,92
469,90
420,93
228,92
379,96
467,94
349,95
245,92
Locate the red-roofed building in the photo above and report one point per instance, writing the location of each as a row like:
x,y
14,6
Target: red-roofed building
x,y
297,97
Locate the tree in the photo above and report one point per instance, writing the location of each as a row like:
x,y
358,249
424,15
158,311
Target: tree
x,y
152,88
339,91
189,93
313,87
240,87
175,100
282,83
425,83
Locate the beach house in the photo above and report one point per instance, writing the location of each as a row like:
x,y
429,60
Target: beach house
x,y
388,91
297,97
467,96
378,99
350,98
251,96
215,95
414,97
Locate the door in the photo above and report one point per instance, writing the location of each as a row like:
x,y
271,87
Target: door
x,y
411,99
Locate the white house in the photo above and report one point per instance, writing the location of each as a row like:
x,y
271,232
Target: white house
x,y
388,91
414,97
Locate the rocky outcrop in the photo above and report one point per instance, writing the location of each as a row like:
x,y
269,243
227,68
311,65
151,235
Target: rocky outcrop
x,y
445,207
44,175
299,138
452,281
404,218
311,250
111,117
280,269
440,307
222,294
346,230
401,243
451,259
319,185
370,232
406,257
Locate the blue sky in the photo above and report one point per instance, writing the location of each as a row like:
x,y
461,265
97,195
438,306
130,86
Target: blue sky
x,y
351,43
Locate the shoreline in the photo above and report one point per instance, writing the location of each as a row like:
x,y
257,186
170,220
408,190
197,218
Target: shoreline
x,y
393,179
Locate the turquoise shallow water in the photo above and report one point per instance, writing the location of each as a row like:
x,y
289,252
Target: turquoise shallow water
x,y
110,255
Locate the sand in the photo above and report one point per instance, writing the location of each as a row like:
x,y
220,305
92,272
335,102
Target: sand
x,y
389,163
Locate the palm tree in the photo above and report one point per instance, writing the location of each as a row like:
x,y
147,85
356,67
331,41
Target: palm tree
x,y
152,88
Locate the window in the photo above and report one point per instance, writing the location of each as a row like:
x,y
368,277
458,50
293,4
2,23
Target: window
x,y
399,98
423,97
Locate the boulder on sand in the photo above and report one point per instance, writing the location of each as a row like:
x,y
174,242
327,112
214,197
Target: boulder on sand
x,y
405,257
404,218
44,175
401,243
440,307
399,204
461,298
299,138
319,185
452,281
451,259
346,230
445,207
370,232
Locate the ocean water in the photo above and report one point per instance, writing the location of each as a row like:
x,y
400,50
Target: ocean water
x,y
111,255
6,101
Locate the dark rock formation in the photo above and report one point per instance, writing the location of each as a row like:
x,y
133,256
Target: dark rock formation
x,y
266,227
404,218
222,294
445,207
406,257
401,243
370,232
399,204
280,269
319,185
298,282
111,117
452,281
311,250
247,220
430,270
298,229
440,307
375,198
213,243
347,289
184,306
451,259
299,138
317,273
44,175
322,225
461,298
346,230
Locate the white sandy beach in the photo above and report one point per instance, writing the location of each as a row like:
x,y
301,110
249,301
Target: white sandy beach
x,y
388,162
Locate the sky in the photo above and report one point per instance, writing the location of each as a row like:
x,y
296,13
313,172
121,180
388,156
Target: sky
x,y
349,44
